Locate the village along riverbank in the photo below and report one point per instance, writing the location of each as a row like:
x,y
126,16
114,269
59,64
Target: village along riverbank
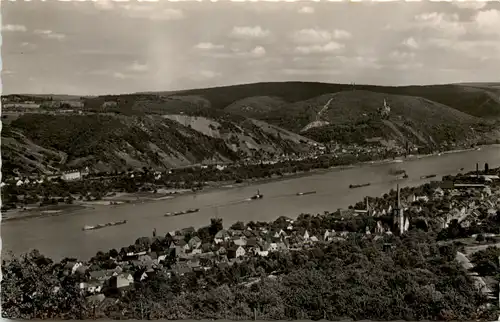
x,y
62,236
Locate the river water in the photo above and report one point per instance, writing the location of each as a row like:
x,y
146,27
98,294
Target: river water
x,y
62,236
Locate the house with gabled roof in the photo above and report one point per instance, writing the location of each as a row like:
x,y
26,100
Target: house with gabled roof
x,y
239,240
194,242
222,236
235,251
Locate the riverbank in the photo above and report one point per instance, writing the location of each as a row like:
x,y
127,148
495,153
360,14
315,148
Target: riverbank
x,y
121,199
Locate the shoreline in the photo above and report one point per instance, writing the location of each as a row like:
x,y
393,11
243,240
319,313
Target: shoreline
x,y
142,197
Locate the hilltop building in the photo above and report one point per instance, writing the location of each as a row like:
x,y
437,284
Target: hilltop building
x,y
385,110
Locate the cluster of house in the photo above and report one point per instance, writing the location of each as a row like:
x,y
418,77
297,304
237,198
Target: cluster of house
x,y
193,256
69,175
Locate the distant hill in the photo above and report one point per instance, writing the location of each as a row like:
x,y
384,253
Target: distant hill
x,y
36,142
166,129
477,102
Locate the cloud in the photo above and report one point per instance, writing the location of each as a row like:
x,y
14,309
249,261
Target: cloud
x,y
407,66
208,74
258,51
306,10
330,47
478,49
359,62
410,43
470,4
137,67
235,52
151,12
319,36
488,21
249,32
103,4
447,24
208,46
14,28
49,34
28,45
401,55
308,71
119,75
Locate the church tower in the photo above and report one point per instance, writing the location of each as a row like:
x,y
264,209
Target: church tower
x,y
400,223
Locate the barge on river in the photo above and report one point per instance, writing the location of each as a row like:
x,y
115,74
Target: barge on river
x,y
305,193
353,186
104,225
178,213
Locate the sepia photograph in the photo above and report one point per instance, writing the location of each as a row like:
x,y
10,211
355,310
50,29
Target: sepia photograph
x,y
250,160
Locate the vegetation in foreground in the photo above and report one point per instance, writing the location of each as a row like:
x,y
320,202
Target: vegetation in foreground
x,y
418,280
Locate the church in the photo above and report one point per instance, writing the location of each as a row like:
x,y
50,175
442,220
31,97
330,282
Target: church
x,y
400,222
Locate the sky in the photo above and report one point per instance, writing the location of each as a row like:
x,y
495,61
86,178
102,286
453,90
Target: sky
x,y
106,47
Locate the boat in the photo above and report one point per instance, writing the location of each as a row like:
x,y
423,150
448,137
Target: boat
x,y
257,196
99,226
178,213
397,172
305,193
428,176
352,186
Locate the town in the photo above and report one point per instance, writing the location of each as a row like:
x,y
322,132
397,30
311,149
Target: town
x,y
464,206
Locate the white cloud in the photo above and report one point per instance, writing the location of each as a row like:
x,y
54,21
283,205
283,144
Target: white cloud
x,y
208,74
401,55
151,12
137,67
488,21
341,34
19,28
249,32
410,43
447,24
306,10
308,71
470,4
50,34
330,47
119,75
318,36
407,66
359,62
103,4
258,51
482,49
208,46
28,45
171,14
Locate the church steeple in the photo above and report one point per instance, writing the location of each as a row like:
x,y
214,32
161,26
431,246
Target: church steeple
x,y
399,220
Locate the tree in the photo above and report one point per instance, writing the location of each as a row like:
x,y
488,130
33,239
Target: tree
x,y
239,225
215,226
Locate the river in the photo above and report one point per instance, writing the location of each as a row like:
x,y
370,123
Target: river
x,y
62,236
